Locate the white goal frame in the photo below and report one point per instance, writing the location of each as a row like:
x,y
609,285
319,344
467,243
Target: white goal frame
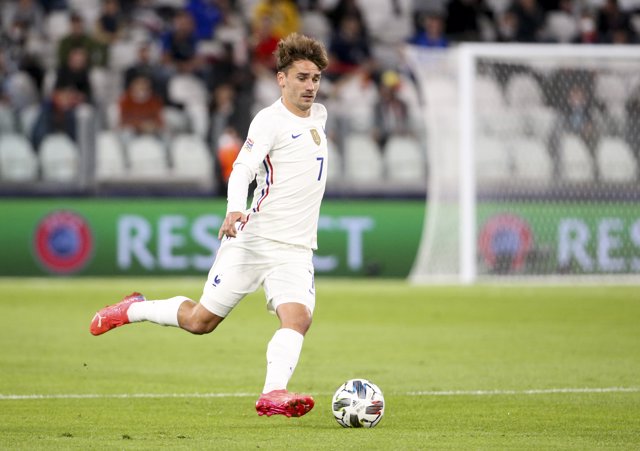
x,y
467,56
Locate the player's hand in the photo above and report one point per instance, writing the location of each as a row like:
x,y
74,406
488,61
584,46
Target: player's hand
x,y
229,225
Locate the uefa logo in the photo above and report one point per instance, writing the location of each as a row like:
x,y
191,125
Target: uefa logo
x,y
505,242
63,243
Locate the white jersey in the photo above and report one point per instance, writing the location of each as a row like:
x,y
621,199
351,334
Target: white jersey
x,y
288,156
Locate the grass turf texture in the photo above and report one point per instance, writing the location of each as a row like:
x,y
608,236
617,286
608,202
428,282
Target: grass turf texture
x,y
405,339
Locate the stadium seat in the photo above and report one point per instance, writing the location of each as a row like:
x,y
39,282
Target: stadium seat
x,y
176,121
488,90
110,162
7,120
27,119
561,27
405,160
492,115
524,91
614,89
21,90
186,89
18,162
492,162
147,159
192,160
616,161
57,25
362,159
59,158
123,54
105,86
531,160
189,91
576,161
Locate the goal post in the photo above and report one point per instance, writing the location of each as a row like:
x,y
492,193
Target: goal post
x,y
534,162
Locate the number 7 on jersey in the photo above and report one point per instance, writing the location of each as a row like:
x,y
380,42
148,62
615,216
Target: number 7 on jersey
x,y
321,160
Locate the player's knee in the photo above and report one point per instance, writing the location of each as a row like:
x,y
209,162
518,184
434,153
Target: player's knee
x,y
197,320
198,327
202,329
300,323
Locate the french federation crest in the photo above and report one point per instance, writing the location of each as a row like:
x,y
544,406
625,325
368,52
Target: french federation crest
x,y
316,136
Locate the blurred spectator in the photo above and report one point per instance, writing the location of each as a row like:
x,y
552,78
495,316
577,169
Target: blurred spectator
x,y
430,32
349,49
27,12
232,30
614,25
282,14
588,33
314,21
54,5
17,57
179,46
110,25
206,16
263,42
577,108
57,113
392,20
228,110
75,73
78,37
146,66
140,110
529,20
346,8
225,71
463,19
390,112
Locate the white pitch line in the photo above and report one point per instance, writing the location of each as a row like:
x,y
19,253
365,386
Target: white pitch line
x,y
545,391
127,396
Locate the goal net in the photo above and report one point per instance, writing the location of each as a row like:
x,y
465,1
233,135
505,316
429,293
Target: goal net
x,y
534,162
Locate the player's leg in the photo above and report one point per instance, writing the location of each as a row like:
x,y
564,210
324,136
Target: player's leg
x,y
178,311
292,296
220,295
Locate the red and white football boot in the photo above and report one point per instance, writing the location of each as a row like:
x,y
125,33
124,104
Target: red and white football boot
x,y
114,315
281,402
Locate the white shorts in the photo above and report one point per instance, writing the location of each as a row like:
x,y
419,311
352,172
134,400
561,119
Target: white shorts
x,y
244,263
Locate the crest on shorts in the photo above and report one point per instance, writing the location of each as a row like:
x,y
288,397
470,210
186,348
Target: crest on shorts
x,y
316,136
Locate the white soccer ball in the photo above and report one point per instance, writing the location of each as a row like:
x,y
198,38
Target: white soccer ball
x,y
358,403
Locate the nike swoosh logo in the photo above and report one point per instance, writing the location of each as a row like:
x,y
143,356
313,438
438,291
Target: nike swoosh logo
x,y
296,136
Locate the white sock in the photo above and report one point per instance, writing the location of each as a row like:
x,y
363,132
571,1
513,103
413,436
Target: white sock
x,y
164,312
283,352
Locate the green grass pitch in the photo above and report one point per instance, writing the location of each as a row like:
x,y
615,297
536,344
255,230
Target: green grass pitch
x,y
482,367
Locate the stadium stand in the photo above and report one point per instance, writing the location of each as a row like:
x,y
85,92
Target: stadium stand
x,y
29,62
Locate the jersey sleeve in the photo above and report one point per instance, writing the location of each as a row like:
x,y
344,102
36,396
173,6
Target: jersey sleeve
x,y
255,149
259,142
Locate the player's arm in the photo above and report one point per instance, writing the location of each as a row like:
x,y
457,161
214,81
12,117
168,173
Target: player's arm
x,y
239,180
253,152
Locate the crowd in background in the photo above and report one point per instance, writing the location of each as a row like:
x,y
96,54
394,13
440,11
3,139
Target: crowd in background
x,y
163,66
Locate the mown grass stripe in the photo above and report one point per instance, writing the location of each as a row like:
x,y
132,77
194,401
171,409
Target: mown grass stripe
x,y
544,391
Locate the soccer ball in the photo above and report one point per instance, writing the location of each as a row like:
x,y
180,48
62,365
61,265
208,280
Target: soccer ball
x,y
358,403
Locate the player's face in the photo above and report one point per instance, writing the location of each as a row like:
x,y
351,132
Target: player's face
x,y
299,86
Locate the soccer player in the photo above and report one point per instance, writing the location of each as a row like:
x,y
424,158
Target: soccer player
x,y
270,244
